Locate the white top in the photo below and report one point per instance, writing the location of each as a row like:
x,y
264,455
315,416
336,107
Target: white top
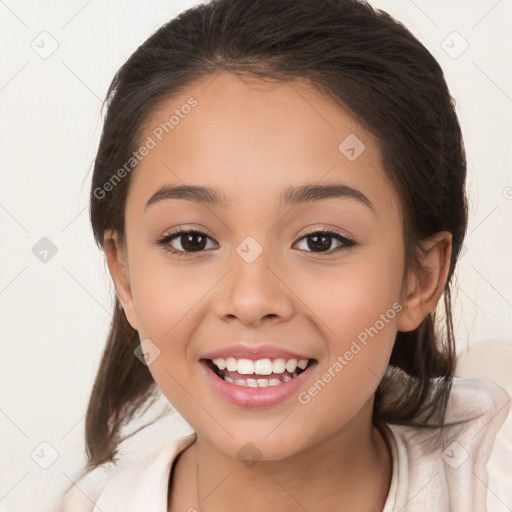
x,y
431,472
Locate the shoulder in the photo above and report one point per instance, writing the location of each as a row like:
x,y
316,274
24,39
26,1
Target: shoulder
x,y
477,404
475,411
84,492
139,486
447,467
143,485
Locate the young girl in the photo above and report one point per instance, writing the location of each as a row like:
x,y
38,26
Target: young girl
x,y
280,194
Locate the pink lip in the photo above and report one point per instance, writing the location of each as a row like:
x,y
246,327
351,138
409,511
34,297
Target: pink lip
x,y
254,352
255,397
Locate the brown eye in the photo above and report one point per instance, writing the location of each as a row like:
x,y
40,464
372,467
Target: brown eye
x,y
192,241
319,242
322,241
184,242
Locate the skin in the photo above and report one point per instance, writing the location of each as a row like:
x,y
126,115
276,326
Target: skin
x,y
251,139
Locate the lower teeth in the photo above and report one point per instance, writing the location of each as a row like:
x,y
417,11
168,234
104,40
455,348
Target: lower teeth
x,y
259,383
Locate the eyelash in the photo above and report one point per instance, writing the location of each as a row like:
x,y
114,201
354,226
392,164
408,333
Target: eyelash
x,y
164,241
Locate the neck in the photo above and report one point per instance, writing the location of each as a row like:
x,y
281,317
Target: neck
x,y
351,467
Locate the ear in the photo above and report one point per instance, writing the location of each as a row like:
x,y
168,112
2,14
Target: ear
x,y
117,261
426,284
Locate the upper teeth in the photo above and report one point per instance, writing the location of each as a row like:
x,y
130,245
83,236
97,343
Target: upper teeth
x,y
260,366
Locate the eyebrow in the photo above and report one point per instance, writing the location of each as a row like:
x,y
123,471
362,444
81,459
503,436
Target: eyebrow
x,y
290,196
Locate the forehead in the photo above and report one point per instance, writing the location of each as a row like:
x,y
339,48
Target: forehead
x,y
252,138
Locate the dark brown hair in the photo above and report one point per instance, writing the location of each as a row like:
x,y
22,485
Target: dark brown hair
x,y
361,58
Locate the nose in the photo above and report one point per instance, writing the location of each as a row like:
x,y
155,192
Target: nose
x,y
255,292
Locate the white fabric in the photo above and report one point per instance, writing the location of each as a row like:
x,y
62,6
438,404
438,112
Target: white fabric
x,y
432,472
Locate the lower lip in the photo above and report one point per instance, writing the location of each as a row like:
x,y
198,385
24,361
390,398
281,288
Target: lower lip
x,y
256,397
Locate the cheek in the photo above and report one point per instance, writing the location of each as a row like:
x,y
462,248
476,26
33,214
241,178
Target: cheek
x,y
359,323
359,327
349,298
169,301
356,307
165,293
165,304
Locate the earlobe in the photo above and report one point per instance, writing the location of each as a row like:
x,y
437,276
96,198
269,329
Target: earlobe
x,y
427,283
117,262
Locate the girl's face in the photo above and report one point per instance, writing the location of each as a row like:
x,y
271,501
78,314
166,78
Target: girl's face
x,y
255,273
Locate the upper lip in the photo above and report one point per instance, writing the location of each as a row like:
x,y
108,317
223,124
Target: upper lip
x,y
254,352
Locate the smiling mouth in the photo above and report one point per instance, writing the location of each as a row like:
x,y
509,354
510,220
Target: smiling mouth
x,y
254,380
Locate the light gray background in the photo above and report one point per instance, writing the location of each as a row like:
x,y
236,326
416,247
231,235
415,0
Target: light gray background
x,y
55,314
